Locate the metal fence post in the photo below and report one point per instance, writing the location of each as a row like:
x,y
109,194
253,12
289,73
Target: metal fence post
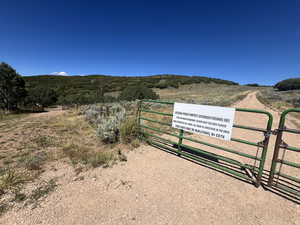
x,y
139,118
277,147
180,141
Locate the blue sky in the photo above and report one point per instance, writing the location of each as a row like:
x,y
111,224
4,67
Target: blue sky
x,y
243,41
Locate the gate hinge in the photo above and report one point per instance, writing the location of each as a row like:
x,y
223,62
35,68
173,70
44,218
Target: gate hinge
x,y
276,131
261,143
268,133
283,144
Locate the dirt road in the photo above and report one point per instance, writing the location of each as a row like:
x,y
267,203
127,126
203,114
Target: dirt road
x,y
155,187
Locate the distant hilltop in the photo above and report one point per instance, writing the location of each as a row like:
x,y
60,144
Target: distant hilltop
x,y
89,83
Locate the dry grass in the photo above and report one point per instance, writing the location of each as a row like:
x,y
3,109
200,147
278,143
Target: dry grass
x,y
29,144
279,100
129,130
33,142
11,116
36,142
208,94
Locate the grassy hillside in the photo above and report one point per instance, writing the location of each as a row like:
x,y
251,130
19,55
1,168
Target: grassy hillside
x,y
288,84
280,99
207,94
91,83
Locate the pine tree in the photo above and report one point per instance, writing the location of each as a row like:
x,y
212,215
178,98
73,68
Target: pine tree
x,y
12,88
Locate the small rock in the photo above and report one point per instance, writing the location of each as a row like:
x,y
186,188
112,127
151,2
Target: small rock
x,y
78,178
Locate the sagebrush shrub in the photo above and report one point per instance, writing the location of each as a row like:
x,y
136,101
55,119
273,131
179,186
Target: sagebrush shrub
x,y
113,121
107,119
33,162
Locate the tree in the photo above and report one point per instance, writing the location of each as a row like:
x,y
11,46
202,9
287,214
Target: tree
x,y
42,96
138,92
252,85
12,88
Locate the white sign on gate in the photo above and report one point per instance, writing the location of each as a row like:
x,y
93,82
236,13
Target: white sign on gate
x,y
213,121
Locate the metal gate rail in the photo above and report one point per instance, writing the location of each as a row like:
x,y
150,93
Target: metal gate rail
x,y
281,145
193,153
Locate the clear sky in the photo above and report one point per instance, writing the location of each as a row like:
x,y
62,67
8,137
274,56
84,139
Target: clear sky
x,y
244,41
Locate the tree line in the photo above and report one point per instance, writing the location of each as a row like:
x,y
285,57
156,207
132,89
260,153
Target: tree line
x,y
37,92
16,95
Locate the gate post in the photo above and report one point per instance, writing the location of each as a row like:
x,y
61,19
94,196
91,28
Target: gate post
x,y
277,146
275,157
138,115
265,149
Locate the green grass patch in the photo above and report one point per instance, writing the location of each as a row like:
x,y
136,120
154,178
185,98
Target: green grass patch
x,y
11,180
129,130
43,190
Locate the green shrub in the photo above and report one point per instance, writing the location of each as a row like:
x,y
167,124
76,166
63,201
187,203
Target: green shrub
x,y
11,180
33,162
87,156
113,121
4,207
44,189
135,143
76,153
41,96
101,159
252,85
108,130
174,84
129,130
19,197
289,84
107,120
137,92
296,102
43,141
12,88
122,157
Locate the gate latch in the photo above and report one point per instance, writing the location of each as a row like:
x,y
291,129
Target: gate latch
x,y
268,133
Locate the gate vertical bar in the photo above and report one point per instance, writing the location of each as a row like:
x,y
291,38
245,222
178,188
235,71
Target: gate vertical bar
x,y
275,157
180,141
277,147
265,149
139,118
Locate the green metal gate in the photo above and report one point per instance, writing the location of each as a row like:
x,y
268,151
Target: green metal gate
x,y
156,137
278,179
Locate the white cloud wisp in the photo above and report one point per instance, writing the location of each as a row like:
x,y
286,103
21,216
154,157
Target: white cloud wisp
x,y
60,73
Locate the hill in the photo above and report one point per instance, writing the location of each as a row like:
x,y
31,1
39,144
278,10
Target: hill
x,y
288,84
91,83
